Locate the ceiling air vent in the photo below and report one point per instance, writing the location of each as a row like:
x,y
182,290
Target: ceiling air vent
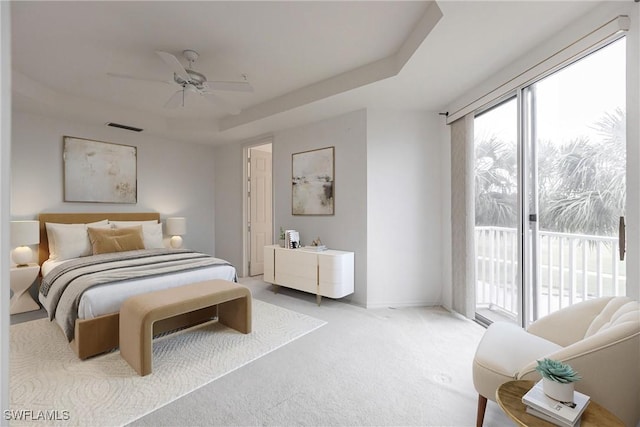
x,y
125,127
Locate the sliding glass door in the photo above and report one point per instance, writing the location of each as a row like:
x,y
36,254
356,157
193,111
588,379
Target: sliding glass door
x,y
577,130
550,191
496,211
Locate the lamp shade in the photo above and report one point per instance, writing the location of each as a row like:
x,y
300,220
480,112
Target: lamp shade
x,y
24,233
176,226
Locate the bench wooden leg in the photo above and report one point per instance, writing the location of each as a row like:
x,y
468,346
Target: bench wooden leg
x,y
236,314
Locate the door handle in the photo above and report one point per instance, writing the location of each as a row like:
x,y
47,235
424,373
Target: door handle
x,y
621,238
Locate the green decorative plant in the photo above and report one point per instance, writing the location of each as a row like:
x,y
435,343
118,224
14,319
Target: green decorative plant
x,y
281,234
557,371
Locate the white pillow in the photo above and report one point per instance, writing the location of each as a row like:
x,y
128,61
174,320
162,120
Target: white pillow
x,y
68,241
151,232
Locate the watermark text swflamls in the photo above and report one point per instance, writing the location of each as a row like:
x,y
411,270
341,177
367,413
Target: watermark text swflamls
x,y
36,415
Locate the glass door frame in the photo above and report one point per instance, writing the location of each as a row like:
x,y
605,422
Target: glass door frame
x,y
528,271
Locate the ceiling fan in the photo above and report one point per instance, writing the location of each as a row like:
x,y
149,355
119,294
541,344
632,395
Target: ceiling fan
x,y
191,81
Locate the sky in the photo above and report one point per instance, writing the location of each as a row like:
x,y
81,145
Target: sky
x,y
569,101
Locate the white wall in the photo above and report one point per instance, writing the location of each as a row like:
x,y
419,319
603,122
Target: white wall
x,y
404,211
347,229
174,178
390,177
228,203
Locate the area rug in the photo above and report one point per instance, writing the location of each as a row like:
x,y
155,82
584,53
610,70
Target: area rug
x,y
51,386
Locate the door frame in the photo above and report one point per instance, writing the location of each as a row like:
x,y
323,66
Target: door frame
x,y
528,250
246,247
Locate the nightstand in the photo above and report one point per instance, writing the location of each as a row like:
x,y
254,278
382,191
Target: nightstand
x,y
21,280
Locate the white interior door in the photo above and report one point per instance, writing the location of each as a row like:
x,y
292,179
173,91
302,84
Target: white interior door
x,y
260,207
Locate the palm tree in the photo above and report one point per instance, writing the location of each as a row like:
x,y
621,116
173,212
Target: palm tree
x,y
496,183
581,183
586,190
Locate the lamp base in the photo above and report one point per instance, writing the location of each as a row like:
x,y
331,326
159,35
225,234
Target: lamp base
x,y
176,242
22,255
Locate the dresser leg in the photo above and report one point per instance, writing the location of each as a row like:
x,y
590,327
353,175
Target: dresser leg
x,y
318,299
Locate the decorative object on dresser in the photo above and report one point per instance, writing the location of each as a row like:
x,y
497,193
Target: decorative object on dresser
x,y
312,182
23,234
176,227
291,239
328,273
22,277
316,245
97,171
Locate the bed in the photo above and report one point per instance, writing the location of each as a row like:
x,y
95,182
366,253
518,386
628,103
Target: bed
x,y
95,318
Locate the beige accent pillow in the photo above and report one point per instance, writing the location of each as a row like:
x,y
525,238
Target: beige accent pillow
x,y
116,240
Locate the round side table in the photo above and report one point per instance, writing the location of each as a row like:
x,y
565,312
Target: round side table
x,y
22,277
509,397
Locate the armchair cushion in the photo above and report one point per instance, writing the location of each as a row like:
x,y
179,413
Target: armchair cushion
x,y
496,363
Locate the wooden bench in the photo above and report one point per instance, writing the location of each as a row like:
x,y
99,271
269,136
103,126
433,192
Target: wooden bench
x,y
139,313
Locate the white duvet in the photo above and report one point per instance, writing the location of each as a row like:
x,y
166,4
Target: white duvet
x,y
106,299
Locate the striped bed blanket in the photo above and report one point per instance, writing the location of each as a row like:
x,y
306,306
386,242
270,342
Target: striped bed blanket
x,y
63,287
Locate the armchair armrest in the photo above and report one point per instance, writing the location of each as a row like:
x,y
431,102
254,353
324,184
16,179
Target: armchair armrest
x,y
568,325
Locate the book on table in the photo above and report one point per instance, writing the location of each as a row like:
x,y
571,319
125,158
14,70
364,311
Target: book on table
x,y
549,418
566,413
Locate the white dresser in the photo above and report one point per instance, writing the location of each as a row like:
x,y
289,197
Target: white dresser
x,y
327,273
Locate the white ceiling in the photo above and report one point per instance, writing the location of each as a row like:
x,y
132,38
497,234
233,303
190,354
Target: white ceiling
x,y
307,60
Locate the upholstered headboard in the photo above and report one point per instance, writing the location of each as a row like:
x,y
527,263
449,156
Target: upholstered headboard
x,y
83,218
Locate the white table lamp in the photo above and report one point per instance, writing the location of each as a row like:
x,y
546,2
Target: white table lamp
x,y
24,233
176,227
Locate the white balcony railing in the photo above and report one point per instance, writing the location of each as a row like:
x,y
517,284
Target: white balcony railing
x,y
572,268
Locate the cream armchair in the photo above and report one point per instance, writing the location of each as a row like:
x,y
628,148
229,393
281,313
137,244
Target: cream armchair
x,y
599,338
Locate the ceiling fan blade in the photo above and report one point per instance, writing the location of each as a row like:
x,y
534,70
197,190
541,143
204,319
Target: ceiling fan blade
x,y
176,100
221,103
174,64
230,86
132,77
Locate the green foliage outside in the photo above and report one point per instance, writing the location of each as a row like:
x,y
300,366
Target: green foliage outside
x,y
581,183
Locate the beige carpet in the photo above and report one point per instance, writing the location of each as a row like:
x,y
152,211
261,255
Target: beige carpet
x,y
48,381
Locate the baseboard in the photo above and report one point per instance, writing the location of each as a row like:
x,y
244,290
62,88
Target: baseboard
x,y
404,304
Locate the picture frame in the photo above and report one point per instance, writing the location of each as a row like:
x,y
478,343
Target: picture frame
x,y
99,172
313,182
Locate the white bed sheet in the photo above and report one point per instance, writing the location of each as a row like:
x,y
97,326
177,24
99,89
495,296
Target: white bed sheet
x,y
106,299
50,264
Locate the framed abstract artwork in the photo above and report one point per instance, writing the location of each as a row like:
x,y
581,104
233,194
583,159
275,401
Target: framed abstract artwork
x,y
312,182
99,172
